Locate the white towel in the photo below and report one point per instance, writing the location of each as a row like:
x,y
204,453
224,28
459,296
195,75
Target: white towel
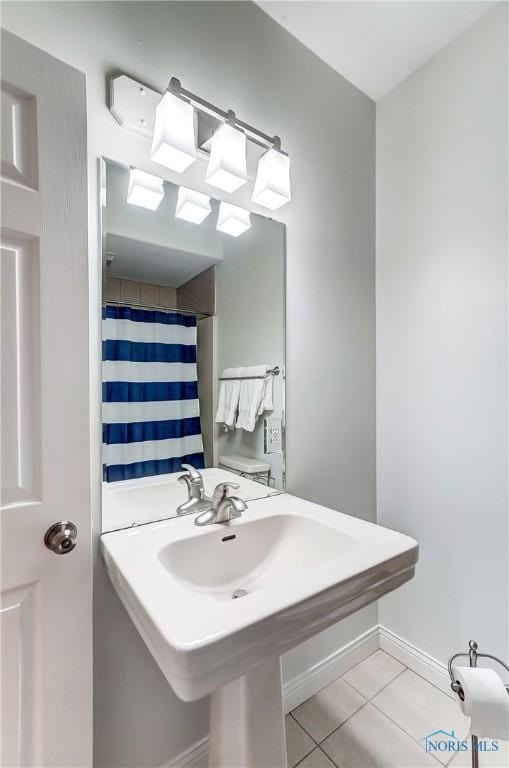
x,y
255,396
228,400
266,403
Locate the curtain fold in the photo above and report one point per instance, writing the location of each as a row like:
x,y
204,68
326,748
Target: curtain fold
x,y
151,411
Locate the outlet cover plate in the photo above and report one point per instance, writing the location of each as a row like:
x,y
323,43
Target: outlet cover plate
x,y
273,435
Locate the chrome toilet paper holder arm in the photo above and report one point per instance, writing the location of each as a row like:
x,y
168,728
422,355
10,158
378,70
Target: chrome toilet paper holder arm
x,y
473,655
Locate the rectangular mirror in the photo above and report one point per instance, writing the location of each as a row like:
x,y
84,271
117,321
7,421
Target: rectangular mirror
x,y
193,343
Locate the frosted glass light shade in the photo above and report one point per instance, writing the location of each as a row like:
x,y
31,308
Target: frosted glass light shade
x,y
173,142
227,164
272,185
144,189
233,220
192,205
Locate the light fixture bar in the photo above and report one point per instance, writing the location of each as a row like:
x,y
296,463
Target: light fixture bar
x,y
258,137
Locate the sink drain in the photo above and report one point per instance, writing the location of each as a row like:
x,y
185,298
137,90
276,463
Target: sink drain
x,y
238,593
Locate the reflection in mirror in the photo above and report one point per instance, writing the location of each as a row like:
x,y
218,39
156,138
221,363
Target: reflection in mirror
x,y
193,349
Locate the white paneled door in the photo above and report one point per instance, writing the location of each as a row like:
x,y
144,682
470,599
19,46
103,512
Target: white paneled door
x,y
46,609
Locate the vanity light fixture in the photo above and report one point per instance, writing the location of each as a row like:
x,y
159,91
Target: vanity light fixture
x,y
233,220
192,205
178,115
272,185
145,190
227,167
173,143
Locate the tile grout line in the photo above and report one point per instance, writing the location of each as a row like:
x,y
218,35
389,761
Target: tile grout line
x,y
366,701
419,675
315,743
341,677
320,750
318,743
315,746
407,734
369,698
393,721
341,725
301,726
400,726
370,701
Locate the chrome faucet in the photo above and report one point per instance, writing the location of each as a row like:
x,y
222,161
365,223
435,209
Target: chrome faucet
x,y
197,500
224,508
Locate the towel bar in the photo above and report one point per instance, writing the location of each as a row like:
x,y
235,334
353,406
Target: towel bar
x,y
271,372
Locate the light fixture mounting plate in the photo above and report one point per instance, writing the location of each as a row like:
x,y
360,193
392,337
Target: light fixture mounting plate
x,y
133,105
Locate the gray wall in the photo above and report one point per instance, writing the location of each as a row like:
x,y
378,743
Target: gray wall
x,y
442,341
236,56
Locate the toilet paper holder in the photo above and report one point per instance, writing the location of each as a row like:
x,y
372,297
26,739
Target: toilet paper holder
x,y
473,655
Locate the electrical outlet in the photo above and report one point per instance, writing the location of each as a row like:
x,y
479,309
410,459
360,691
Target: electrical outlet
x,y
273,436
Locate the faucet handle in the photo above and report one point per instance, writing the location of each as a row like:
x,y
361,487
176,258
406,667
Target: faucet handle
x,y
185,479
192,473
221,490
193,480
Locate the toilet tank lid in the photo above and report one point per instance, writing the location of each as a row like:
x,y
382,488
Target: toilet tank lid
x,y
244,464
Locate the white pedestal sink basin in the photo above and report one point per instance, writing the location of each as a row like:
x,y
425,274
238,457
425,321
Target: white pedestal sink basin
x,y
299,568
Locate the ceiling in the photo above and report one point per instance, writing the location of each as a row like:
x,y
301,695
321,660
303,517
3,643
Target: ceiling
x,y
148,262
375,45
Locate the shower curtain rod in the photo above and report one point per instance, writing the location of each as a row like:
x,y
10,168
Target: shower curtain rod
x,y
159,307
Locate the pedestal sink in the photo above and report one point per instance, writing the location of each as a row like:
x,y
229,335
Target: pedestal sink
x,y
217,606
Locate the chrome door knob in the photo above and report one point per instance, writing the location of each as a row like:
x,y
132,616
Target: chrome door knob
x,y
61,538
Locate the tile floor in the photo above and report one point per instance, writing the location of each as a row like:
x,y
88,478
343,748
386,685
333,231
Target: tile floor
x,y
375,716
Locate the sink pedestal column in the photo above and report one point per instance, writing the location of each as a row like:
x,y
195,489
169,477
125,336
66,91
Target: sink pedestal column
x,y
247,725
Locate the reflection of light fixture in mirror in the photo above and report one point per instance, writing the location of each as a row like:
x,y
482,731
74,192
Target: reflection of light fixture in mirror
x,y
227,164
192,205
173,143
272,185
145,189
233,220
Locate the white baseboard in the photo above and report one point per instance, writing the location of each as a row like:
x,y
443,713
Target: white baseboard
x,y
194,757
418,661
327,670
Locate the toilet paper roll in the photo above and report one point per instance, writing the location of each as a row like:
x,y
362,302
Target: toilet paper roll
x,y
486,702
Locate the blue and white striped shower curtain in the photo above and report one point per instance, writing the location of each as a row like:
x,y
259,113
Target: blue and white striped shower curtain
x,y
151,411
